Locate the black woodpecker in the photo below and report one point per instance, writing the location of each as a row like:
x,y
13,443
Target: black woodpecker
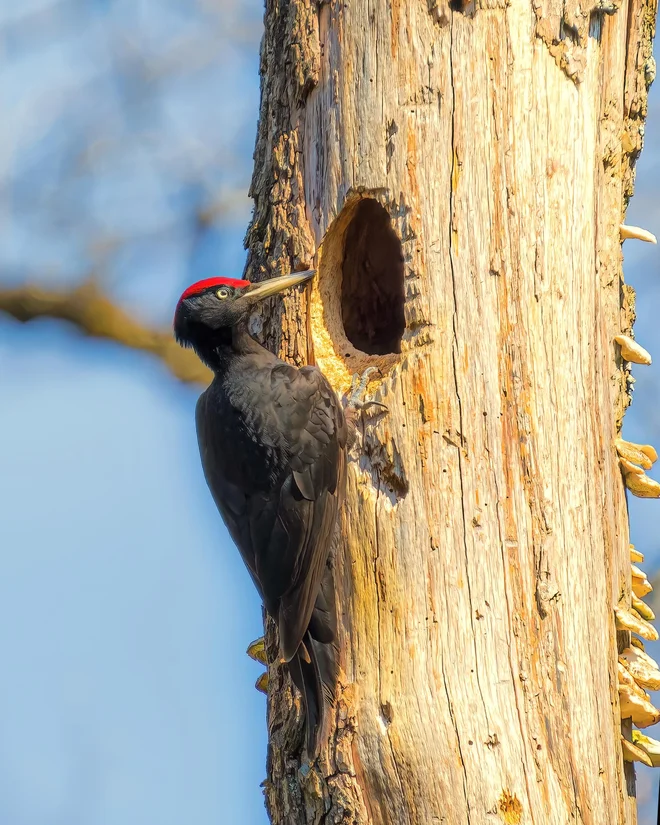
x,y
273,442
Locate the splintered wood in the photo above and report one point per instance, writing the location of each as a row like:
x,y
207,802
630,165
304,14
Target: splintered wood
x,y
484,542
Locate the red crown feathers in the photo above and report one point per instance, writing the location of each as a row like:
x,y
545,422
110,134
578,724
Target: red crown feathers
x,y
207,283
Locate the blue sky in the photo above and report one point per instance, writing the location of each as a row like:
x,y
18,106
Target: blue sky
x,y
126,696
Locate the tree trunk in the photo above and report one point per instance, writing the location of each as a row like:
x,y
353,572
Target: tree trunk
x,y
467,169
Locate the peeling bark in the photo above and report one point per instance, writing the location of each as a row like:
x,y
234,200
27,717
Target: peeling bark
x,y
484,542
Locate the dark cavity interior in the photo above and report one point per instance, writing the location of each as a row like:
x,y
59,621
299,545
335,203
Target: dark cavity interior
x,y
372,289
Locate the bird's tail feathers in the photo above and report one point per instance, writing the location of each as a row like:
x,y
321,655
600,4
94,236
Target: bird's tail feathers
x,y
314,670
315,666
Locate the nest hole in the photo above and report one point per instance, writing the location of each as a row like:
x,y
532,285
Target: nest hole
x,y
372,289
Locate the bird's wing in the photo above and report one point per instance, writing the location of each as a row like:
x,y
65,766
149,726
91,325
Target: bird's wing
x,y
275,463
293,526
231,493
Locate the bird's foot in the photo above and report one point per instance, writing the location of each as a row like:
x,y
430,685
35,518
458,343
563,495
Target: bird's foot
x,y
262,683
257,650
359,383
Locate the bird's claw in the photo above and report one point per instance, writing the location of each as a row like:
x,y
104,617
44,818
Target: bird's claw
x,y
257,650
366,404
358,386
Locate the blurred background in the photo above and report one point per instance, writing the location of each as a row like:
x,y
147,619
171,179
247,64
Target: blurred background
x,y
125,694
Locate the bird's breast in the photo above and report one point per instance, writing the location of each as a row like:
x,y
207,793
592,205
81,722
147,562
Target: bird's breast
x,y
237,443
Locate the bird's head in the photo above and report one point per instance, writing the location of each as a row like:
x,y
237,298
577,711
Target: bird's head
x,y
208,309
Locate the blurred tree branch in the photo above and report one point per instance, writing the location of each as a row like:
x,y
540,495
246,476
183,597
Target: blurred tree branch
x,y
94,314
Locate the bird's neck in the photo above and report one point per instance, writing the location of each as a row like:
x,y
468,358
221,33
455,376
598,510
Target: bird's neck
x,y
219,348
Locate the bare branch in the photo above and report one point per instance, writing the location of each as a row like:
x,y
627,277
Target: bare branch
x,y
94,314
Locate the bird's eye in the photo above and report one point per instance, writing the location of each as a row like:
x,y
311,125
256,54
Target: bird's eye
x,y
223,293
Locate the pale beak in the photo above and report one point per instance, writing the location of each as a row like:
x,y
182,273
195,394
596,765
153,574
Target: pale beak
x,y
274,285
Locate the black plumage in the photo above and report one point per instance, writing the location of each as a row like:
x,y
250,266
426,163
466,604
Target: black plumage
x,y
272,440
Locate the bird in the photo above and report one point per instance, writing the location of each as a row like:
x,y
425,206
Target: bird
x,y
273,441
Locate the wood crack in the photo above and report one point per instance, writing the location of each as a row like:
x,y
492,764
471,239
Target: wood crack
x,y
512,669
460,416
458,744
380,660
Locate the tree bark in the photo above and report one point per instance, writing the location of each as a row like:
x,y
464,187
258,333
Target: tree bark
x,y
484,541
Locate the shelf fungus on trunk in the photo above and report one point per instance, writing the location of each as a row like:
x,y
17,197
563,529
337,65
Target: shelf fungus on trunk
x,y
642,608
643,669
635,555
641,586
642,454
634,753
634,702
631,620
629,467
257,650
633,460
638,482
631,350
636,233
650,747
262,683
637,671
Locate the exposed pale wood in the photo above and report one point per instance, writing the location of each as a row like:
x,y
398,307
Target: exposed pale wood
x,y
484,543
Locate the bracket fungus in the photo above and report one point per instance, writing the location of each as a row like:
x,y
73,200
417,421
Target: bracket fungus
x,y
631,620
638,482
262,683
642,454
257,650
643,669
650,747
634,702
632,351
636,669
642,608
634,753
635,555
629,467
637,233
641,586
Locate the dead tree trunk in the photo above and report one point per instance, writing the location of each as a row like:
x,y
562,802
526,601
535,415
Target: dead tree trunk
x,y
467,169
